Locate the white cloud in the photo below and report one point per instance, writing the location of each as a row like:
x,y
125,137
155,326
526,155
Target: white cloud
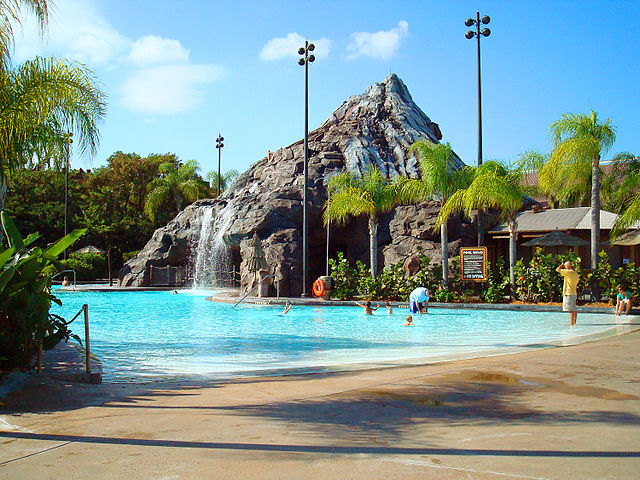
x,y
381,45
152,50
282,47
76,30
158,78
167,89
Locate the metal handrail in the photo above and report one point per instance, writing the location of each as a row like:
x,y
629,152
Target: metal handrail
x,y
63,271
250,291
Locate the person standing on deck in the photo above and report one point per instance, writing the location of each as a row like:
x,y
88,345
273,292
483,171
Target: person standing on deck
x,y
569,290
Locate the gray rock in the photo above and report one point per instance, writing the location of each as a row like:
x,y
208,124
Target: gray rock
x,y
375,128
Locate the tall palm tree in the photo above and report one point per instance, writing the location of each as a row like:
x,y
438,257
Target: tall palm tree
x,y
40,102
10,11
179,182
225,181
372,194
441,177
493,187
580,139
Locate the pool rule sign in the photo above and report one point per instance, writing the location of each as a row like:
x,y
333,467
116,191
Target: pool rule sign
x,y
474,264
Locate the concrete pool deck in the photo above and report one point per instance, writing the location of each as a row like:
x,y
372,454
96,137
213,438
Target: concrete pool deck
x,y
570,412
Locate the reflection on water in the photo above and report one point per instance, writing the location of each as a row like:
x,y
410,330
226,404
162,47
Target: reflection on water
x,y
151,335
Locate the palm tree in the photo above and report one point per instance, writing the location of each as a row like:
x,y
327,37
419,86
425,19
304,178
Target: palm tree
x,y
622,183
40,102
10,11
441,177
628,191
226,179
371,194
493,187
179,182
579,140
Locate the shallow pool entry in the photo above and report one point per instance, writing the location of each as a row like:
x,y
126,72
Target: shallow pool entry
x,y
157,336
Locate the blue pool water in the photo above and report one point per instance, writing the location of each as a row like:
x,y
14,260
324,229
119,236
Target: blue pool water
x,y
146,336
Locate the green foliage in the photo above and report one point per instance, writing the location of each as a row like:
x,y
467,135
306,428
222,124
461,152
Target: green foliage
x,y
88,266
610,278
539,282
25,296
497,286
129,255
444,294
42,100
343,277
178,183
392,283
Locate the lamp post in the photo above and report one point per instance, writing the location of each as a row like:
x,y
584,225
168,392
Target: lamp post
x,y
68,140
305,59
485,32
219,146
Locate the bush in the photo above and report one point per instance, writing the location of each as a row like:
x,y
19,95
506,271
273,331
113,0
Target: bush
x,y
129,255
497,286
25,297
88,266
344,279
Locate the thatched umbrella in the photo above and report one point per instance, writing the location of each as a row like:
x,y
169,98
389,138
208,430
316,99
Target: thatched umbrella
x,y
257,261
556,239
90,249
628,239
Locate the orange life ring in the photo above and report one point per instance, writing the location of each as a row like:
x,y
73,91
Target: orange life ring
x,y
318,288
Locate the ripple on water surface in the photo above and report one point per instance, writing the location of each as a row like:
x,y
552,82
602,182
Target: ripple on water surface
x,y
159,335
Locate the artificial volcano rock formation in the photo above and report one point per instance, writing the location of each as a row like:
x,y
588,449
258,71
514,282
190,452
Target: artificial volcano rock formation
x,y
375,128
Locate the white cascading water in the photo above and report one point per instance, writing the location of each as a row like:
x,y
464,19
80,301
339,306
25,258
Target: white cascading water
x,y
213,263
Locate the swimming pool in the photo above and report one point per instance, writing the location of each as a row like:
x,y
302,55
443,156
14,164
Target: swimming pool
x,y
147,336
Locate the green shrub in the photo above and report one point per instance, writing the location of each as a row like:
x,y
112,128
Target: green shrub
x,y
344,279
497,286
444,294
129,255
25,297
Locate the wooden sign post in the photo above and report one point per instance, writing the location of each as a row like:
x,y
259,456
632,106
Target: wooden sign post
x,y
473,263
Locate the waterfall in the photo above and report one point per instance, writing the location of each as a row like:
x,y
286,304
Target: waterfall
x,y
213,261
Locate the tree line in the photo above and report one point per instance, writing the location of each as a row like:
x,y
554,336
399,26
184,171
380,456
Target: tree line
x,y
570,175
120,204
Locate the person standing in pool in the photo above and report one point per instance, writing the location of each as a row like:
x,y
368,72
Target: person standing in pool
x,y
409,321
419,296
389,307
368,310
569,290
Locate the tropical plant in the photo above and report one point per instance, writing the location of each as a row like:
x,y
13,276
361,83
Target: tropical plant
x,y
371,194
225,179
40,102
579,142
621,184
493,187
441,176
529,165
179,182
26,325
9,15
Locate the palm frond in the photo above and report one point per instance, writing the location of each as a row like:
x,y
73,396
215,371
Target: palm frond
x,y
628,218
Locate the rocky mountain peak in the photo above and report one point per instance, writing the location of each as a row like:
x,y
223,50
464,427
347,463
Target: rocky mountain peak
x,y
375,128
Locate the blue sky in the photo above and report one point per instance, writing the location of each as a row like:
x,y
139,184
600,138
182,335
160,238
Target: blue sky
x,y
177,72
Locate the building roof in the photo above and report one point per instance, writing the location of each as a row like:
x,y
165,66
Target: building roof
x,y
578,218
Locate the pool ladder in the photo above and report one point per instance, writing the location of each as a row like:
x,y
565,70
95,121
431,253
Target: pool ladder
x,y
251,291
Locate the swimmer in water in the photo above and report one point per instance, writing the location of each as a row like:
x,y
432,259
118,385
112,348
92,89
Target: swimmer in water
x,y
368,310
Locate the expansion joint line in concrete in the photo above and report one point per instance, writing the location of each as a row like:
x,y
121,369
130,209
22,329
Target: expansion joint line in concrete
x,y
2,464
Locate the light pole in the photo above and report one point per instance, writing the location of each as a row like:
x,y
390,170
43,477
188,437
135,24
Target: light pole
x,y
485,32
68,140
304,61
219,146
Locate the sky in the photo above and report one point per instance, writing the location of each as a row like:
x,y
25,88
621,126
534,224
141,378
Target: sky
x,y
178,72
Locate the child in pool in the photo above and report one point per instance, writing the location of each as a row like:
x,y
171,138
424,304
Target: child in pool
x,y
409,322
389,307
368,310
